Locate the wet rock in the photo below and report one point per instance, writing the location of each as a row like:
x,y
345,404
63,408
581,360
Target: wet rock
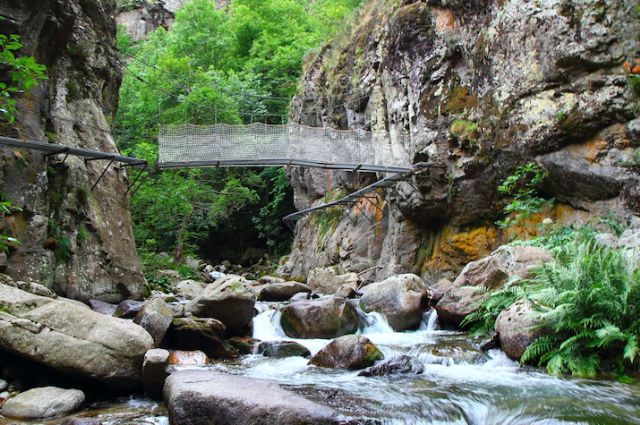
x,y
202,398
72,339
300,296
283,349
402,299
346,291
281,291
154,372
43,403
188,358
188,289
347,352
268,280
488,274
81,421
196,333
128,309
102,307
230,300
243,344
402,364
155,317
327,317
517,328
327,280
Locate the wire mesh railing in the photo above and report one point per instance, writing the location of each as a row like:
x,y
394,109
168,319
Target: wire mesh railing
x,y
189,145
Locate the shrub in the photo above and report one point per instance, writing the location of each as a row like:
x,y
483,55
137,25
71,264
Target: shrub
x,y
523,188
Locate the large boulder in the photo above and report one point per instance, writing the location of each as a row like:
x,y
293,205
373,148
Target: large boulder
x,y
281,291
327,280
327,317
347,352
480,277
43,403
155,317
204,398
230,300
402,299
196,333
72,339
188,289
517,327
155,372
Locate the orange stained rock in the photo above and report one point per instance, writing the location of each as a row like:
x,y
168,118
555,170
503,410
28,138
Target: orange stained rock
x,y
188,358
445,19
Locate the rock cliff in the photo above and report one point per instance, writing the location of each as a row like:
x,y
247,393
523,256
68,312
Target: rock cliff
x,y
75,239
481,86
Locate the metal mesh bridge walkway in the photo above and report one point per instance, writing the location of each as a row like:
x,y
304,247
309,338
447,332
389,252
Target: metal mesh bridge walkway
x,y
262,145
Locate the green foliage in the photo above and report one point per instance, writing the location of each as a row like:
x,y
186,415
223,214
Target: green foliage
x,y
466,132
23,73
6,242
522,187
587,300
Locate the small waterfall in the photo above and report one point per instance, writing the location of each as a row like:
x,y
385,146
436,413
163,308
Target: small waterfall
x,y
266,325
373,323
429,321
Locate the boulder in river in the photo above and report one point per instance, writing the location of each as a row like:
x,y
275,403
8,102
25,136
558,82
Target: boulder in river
x,y
402,364
347,352
188,289
327,280
281,291
102,307
188,358
197,333
43,403
154,371
204,398
517,328
230,300
72,339
491,273
327,317
128,309
401,299
283,349
155,317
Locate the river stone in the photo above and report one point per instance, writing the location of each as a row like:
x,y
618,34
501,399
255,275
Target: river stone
x,y
480,277
128,309
81,421
281,291
517,328
401,299
43,403
268,280
205,398
281,349
188,358
154,371
402,364
72,339
188,289
327,317
327,280
197,333
243,344
300,297
102,307
155,317
347,352
230,300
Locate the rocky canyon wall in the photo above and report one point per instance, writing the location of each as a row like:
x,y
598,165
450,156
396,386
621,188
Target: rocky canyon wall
x,y
76,239
481,86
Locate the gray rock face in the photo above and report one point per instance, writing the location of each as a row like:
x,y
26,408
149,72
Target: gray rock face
x,y
347,352
203,398
498,70
195,333
402,364
188,289
72,339
230,300
402,299
490,273
517,328
75,240
328,280
43,403
321,318
282,349
155,317
281,291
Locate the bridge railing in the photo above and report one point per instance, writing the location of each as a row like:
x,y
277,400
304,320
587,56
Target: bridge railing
x,y
291,144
